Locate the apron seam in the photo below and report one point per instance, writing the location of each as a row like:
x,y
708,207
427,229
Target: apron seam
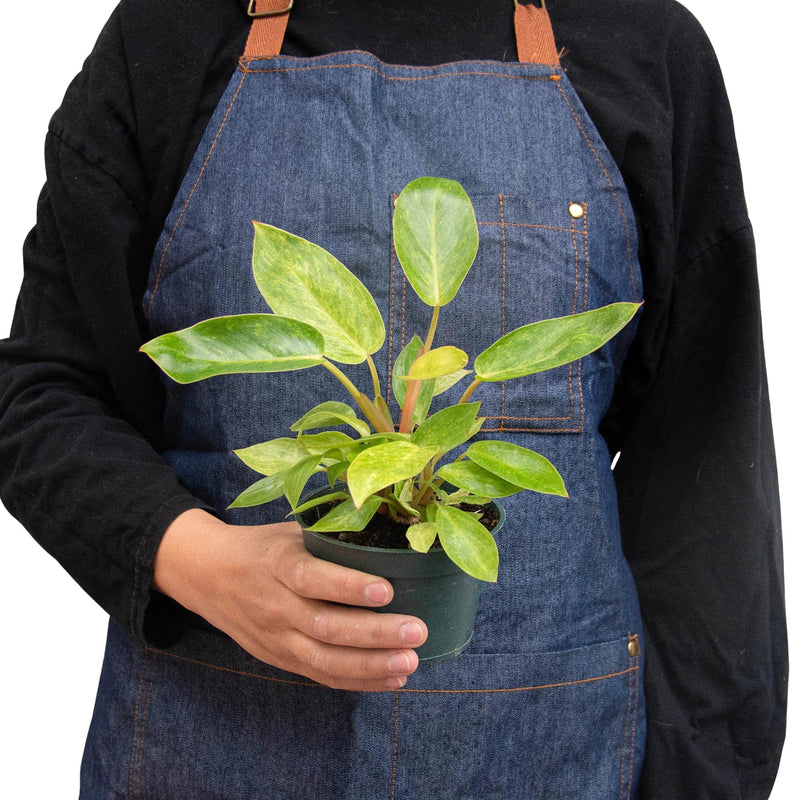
x,y
139,727
191,195
244,68
611,186
394,750
593,679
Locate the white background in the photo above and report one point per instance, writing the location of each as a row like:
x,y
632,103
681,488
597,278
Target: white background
x,y
54,635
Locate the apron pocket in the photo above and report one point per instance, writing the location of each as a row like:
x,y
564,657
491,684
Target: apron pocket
x,y
532,264
544,725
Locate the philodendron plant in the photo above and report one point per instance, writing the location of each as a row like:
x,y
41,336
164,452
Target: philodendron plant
x,y
324,316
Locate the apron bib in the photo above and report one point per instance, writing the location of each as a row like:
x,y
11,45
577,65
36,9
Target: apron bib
x,y
546,701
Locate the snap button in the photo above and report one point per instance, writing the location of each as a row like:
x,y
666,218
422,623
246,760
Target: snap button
x,y
575,210
633,647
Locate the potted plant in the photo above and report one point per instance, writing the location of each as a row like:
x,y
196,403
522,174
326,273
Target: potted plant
x,y
390,466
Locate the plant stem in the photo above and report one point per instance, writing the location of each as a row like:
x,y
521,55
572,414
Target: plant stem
x,y
470,389
413,387
374,417
431,330
376,383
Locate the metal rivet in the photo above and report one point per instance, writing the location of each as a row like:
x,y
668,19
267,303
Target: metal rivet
x,y
633,648
575,210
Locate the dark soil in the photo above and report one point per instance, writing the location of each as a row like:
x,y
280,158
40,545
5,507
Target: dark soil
x,y
383,531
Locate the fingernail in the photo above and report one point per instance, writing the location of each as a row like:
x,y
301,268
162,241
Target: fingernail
x,y
396,683
411,633
399,663
376,593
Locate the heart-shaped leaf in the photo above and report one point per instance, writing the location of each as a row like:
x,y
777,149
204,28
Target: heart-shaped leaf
x,y
435,236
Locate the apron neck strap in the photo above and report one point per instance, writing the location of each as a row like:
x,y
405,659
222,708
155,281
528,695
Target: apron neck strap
x,y
535,41
269,26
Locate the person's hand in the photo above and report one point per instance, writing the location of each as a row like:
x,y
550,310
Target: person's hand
x,y
259,585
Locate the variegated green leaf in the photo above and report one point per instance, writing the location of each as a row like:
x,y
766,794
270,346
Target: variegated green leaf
x,y
467,543
262,491
447,428
236,344
401,367
435,236
272,457
382,465
445,382
318,501
346,517
518,465
329,413
436,363
468,475
297,478
301,280
552,342
421,536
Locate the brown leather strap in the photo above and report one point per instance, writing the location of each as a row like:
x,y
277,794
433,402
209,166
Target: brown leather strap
x,y
535,41
267,32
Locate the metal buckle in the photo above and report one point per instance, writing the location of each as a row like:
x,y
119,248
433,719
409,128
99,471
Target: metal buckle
x,y
251,10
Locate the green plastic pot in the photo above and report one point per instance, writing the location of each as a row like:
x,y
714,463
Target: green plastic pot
x,y
426,585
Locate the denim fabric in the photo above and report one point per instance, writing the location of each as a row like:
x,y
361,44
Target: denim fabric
x,y
546,701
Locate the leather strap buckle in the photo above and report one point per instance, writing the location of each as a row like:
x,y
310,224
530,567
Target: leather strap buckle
x,y
251,10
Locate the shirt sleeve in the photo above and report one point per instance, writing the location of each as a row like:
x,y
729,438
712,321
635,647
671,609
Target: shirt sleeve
x,y
79,407
696,477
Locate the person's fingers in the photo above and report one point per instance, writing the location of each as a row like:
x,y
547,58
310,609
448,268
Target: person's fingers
x,y
350,627
336,666
317,579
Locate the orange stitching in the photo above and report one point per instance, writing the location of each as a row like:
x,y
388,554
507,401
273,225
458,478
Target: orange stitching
x,y
530,430
577,263
389,358
247,71
502,301
625,734
586,255
416,691
245,60
144,728
136,724
611,186
189,198
233,671
394,751
633,731
529,225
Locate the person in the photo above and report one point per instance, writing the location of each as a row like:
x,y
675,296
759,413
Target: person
x,y
691,545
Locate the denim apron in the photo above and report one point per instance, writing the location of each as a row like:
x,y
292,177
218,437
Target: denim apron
x,y
546,702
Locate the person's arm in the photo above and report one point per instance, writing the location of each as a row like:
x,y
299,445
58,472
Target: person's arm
x,y
697,476
80,413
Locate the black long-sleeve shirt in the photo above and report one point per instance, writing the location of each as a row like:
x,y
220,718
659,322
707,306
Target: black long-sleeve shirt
x,y
80,409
